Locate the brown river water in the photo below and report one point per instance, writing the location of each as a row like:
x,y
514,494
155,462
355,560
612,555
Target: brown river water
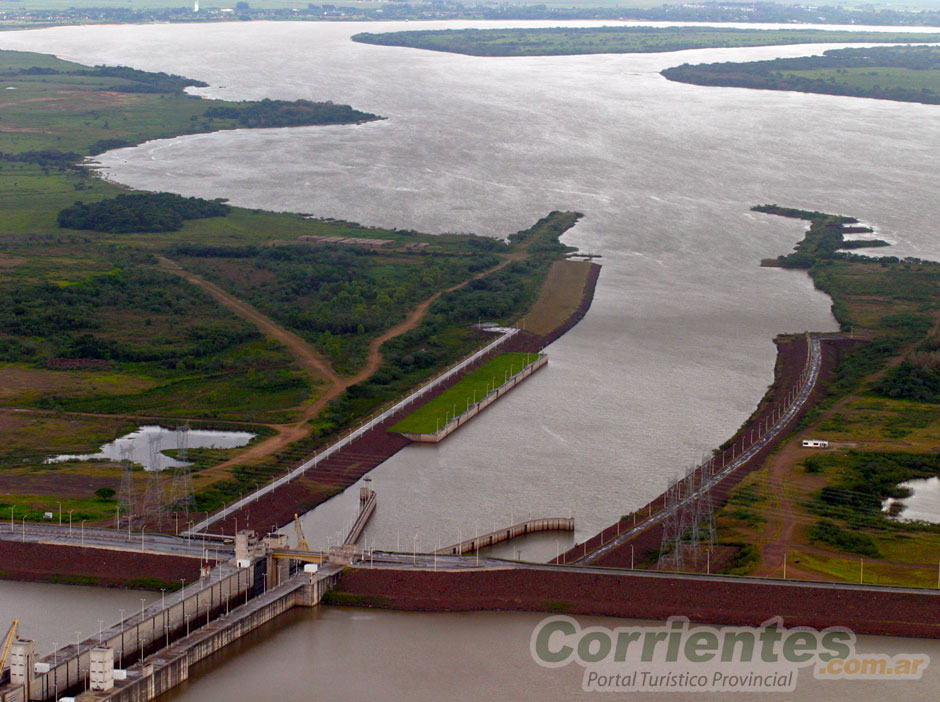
x,y
673,355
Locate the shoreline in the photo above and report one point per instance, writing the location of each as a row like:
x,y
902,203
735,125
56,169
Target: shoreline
x,y
279,506
111,568
790,360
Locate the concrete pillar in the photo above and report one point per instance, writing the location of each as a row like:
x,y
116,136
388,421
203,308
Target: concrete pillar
x,y
101,668
21,665
244,540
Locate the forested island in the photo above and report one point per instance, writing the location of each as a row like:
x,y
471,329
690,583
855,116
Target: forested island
x,y
564,41
903,73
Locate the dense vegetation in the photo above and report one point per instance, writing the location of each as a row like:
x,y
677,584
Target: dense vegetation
x,y
823,240
616,39
865,479
904,73
131,80
281,113
850,541
338,297
917,378
139,212
43,321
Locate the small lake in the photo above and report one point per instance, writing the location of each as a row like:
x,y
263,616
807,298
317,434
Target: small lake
x,y
145,446
923,504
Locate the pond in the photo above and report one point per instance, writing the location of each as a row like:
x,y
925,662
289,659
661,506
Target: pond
x,y
922,505
145,446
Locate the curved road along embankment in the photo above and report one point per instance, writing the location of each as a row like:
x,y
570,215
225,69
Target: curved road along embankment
x,y
814,364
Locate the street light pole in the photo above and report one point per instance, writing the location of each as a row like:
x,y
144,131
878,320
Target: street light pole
x,y
140,650
166,630
55,669
121,659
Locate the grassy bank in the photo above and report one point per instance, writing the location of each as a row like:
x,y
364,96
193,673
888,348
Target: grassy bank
x,y
822,510
904,73
473,387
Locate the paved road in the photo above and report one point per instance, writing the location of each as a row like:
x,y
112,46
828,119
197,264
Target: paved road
x,y
815,363
118,540
504,334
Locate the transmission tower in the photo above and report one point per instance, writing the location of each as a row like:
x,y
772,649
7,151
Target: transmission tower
x,y
153,510
670,550
126,494
181,491
706,508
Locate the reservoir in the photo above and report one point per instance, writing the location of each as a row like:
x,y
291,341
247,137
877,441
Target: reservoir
x,y
673,355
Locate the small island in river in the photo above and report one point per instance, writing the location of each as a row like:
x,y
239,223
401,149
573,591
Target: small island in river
x,y
618,39
903,73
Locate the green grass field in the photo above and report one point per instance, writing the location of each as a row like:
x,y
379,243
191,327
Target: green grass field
x,y
903,73
865,78
432,416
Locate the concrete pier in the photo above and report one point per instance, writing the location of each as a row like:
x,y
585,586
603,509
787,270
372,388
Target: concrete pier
x,y
367,502
494,537
141,632
99,666
159,673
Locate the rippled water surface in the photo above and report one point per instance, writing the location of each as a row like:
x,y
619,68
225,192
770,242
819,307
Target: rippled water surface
x,y
677,347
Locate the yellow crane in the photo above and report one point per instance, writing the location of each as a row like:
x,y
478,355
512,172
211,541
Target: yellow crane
x,y
302,544
7,643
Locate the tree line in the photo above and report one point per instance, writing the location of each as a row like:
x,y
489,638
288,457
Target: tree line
x,y
139,212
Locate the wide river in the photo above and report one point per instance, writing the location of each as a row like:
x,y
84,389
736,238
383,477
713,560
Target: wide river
x,y
672,357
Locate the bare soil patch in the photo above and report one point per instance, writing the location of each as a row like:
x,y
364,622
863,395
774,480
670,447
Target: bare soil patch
x,y
559,298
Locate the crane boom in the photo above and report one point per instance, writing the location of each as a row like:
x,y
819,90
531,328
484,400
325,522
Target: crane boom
x,y
302,544
7,643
